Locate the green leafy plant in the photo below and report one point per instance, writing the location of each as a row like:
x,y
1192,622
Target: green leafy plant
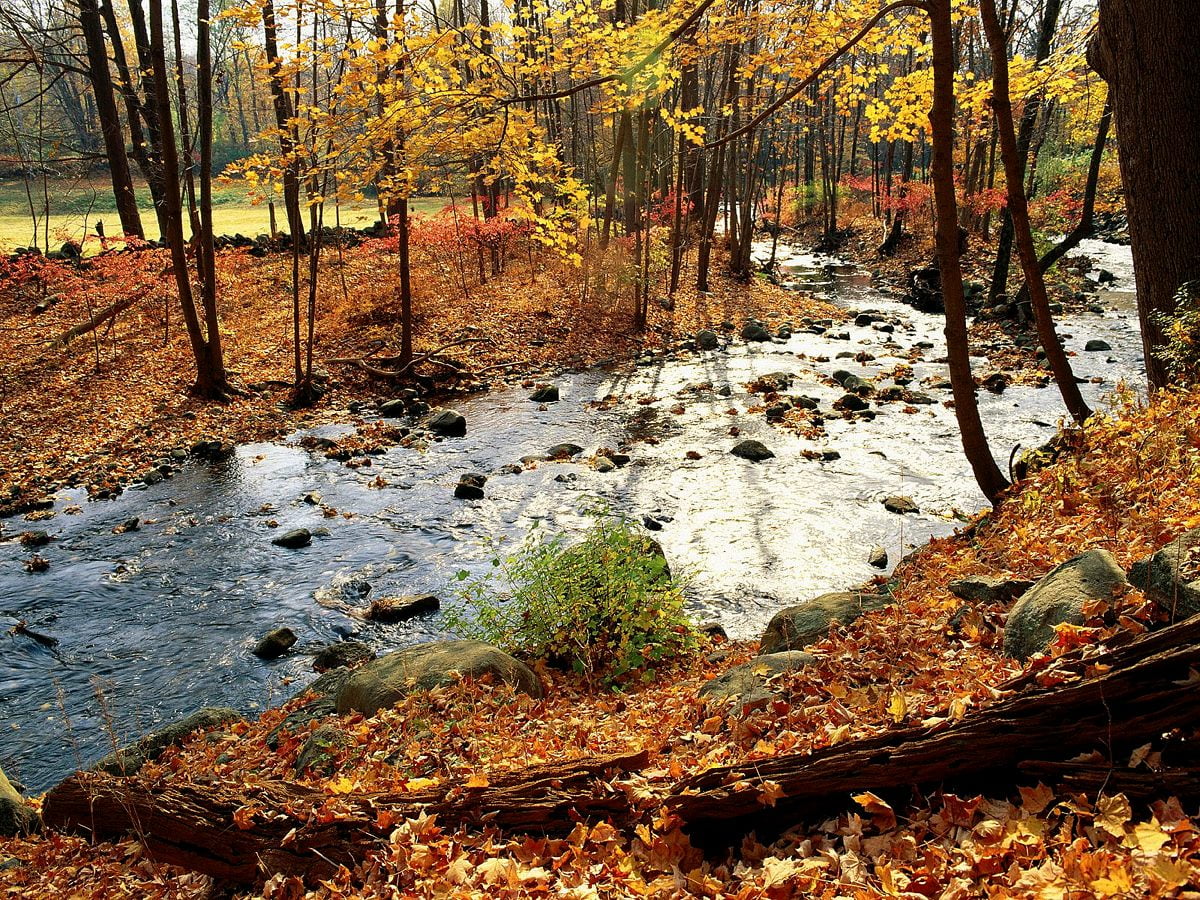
x,y
1181,352
607,605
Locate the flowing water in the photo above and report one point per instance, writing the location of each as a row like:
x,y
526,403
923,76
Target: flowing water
x,y
156,622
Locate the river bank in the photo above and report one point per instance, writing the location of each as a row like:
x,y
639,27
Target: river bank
x,y
1124,485
102,411
169,609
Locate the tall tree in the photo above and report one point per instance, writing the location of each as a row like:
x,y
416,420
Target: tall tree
x,y
1018,216
1149,53
205,338
110,119
941,123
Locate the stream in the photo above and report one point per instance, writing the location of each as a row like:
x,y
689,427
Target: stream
x,y
156,622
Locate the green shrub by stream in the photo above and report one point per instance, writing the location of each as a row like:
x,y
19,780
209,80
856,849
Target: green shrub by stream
x,y
607,605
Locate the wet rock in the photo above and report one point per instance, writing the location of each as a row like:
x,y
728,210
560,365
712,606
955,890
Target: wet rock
x,y
997,382
393,409
343,653
470,487
381,683
989,589
900,505
750,683
799,626
851,403
322,694
129,760
390,610
275,643
313,498
447,423
707,340
754,332
755,451
16,818
774,381
1171,577
1097,346
714,630
127,526
511,469
1060,597
604,464
546,393
651,523
320,751
878,558
34,539
294,539
565,450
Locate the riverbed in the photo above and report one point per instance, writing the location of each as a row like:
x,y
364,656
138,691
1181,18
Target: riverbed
x,y
155,622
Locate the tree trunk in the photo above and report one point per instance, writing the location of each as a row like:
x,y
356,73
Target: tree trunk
x,y
1018,210
210,382
1149,53
110,119
1029,118
941,121
195,825
1087,216
1142,690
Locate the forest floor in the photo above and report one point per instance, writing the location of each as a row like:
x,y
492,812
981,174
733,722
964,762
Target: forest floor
x,y
103,408
1125,484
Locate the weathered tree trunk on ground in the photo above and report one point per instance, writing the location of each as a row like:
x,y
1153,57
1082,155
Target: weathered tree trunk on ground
x,y
1149,53
1145,688
195,825
1018,211
941,119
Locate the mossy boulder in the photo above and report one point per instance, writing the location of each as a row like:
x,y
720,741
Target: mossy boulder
x,y
383,682
799,626
1171,577
750,683
1059,598
129,760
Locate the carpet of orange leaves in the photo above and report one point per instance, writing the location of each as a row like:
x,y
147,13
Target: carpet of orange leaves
x,y
103,408
1127,483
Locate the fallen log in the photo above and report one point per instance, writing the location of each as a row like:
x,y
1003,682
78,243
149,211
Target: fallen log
x,y
109,312
1124,698
245,833
1138,785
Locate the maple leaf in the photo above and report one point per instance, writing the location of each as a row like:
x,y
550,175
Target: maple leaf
x,y
770,793
881,811
1112,814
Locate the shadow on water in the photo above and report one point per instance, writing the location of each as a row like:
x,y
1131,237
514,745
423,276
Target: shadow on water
x,y
161,620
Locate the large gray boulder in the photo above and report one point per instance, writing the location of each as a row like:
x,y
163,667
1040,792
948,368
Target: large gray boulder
x,y
385,681
129,760
750,682
447,422
16,818
1060,598
1171,577
799,626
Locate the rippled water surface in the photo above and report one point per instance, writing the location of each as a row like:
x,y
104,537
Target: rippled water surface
x,y
161,620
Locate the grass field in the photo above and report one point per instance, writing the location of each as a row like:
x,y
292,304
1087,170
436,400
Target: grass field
x,y
76,204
